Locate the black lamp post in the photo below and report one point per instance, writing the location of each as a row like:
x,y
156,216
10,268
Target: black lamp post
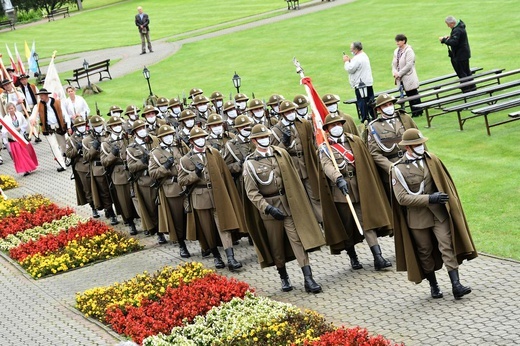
x,y
146,74
85,66
237,82
37,59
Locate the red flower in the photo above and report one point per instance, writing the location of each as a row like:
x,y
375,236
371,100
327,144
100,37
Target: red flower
x,y
356,336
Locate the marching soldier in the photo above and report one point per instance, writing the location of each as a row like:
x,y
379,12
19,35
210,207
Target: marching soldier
x,y
332,101
256,109
217,137
162,106
175,109
237,149
230,114
80,169
164,167
302,106
187,122
295,135
91,154
137,157
279,216
433,230
274,106
194,92
217,211
150,115
384,135
115,110
217,99
202,110
132,112
241,103
113,158
355,175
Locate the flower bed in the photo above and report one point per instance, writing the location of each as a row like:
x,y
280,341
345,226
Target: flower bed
x,y
7,182
191,305
46,239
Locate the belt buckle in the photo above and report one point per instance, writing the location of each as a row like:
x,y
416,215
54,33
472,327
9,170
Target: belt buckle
x,y
400,153
350,174
208,184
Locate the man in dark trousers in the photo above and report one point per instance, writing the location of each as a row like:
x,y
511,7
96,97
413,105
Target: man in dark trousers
x,y
142,22
458,49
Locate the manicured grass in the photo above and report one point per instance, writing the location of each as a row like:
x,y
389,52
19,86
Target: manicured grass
x,y
484,168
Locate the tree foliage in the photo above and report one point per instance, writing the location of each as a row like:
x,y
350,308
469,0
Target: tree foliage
x,y
47,5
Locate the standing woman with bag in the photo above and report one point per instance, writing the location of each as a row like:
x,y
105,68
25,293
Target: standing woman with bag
x,y
403,69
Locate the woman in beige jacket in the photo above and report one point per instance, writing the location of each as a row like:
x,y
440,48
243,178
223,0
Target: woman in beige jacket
x,y
403,69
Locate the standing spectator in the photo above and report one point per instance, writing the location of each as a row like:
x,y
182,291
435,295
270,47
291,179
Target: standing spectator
x,y
458,49
142,22
75,105
24,157
405,75
433,229
359,70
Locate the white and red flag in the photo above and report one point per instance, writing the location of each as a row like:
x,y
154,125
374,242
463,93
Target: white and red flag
x,y
21,67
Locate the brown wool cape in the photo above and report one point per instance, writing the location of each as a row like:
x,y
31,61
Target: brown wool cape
x,y
375,208
225,196
304,128
405,249
301,210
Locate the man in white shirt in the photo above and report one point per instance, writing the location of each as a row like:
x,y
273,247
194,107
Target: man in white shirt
x,y
73,106
360,72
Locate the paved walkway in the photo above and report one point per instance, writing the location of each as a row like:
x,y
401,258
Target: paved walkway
x,y
41,312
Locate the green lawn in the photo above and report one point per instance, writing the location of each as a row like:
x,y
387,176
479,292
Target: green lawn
x,y
484,168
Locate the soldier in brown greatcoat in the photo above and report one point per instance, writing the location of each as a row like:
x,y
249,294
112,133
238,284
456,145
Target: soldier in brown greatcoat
x,y
217,211
230,114
332,102
113,158
137,157
433,230
354,174
295,135
164,167
92,154
279,216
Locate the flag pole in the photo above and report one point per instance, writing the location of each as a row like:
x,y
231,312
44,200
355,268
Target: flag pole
x,y
321,132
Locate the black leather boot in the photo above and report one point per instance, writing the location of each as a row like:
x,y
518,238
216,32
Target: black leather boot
x,y
458,290
152,231
95,213
183,249
109,213
434,286
219,264
286,283
205,253
309,283
354,261
379,261
233,264
161,239
132,229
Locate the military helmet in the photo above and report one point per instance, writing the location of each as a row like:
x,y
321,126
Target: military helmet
x,y
79,120
114,109
148,109
186,114
137,124
174,102
194,92
242,120
200,99
132,109
197,132
96,120
275,99
331,119
301,101
165,130
241,97
259,130
384,98
329,99
216,95
287,106
214,119
114,120
228,105
162,102
412,137
255,104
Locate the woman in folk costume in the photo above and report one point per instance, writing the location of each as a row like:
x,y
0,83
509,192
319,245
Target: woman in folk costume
x,y
429,223
23,154
354,174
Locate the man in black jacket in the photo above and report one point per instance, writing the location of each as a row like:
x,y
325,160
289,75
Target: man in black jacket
x,y
142,21
458,49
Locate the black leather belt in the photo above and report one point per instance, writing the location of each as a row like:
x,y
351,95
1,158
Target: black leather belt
x,y
297,154
207,186
279,193
400,153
